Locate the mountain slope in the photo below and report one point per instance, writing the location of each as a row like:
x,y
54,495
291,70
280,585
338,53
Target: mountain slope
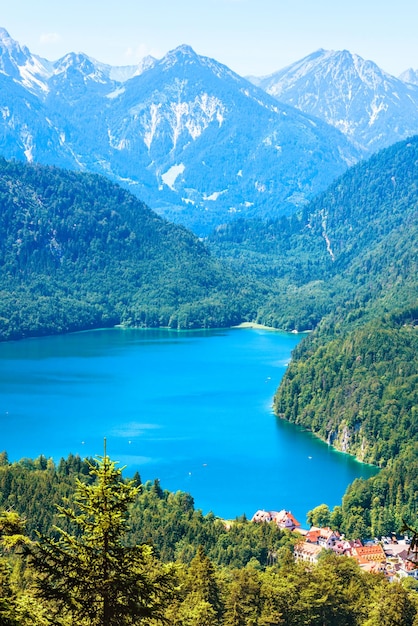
x,y
79,252
216,146
27,132
372,108
18,63
409,76
192,139
353,249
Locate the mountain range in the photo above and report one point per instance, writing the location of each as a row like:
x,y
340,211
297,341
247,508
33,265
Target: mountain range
x,y
193,140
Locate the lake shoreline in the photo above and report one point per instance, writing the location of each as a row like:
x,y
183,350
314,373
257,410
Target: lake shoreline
x,y
257,326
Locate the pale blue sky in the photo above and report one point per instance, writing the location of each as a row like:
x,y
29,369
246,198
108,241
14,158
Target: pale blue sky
x,y
250,36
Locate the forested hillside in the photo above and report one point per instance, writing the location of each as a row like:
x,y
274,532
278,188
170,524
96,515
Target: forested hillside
x,y
126,553
78,252
348,268
353,250
167,520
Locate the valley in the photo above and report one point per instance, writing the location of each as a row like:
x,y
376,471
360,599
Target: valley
x,y
178,195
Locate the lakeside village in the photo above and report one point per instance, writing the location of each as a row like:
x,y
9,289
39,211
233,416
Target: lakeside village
x,y
389,556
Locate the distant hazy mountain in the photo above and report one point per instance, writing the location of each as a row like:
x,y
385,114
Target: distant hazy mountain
x,y
409,76
372,108
191,138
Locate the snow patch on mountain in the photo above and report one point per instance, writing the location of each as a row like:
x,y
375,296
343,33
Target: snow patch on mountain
x,y
118,143
151,124
27,140
35,73
376,108
116,93
214,196
170,177
191,117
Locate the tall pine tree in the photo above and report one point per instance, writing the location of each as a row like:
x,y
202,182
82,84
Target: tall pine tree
x,y
91,575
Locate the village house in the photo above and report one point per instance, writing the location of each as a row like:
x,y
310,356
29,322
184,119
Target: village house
x,y
283,519
370,558
345,546
374,552
324,537
406,566
309,552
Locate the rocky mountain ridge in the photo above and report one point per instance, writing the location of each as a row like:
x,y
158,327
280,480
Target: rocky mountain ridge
x,y
369,106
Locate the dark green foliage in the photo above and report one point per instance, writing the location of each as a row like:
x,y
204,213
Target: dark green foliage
x,y
81,574
93,576
166,520
170,523
352,251
365,384
78,252
32,490
392,606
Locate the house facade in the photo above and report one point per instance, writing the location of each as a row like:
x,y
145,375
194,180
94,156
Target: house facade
x,y
324,537
309,552
283,519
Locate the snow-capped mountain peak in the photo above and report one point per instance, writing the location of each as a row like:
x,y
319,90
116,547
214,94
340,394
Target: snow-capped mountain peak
x,y
72,65
183,51
185,55
371,107
17,62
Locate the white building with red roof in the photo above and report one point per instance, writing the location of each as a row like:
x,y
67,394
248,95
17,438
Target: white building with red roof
x,y
324,537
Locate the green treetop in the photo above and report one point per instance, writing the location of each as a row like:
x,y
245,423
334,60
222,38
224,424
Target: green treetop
x,y
91,576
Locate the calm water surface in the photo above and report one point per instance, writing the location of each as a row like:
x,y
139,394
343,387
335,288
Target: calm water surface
x,y
190,408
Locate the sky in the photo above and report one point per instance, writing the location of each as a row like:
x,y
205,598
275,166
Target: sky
x,y
251,37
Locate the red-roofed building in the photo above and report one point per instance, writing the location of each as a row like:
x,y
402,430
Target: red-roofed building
x,y
373,553
285,519
324,537
345,546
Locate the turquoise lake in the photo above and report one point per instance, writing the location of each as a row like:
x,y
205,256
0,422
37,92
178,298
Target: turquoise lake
x,y
193,409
